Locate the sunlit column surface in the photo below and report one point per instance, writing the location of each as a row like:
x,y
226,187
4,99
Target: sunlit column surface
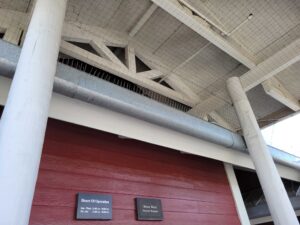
x,y
279,204
24,119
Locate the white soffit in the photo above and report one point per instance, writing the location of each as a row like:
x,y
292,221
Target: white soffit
x,y
17,5
274,26
272,21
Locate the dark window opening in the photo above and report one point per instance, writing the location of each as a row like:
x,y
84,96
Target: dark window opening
x,y
252,191
1,110
20,39
118,52
253,195
85,46
163,83
141,66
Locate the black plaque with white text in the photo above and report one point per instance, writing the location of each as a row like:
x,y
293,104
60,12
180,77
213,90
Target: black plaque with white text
x,y
94,207
149,209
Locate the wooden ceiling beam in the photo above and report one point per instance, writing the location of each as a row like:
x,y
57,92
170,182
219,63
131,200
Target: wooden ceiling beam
x,y
178,85
274,88
272,66
201,27
151,74
262,72
138,26
221,121
130,58
105,52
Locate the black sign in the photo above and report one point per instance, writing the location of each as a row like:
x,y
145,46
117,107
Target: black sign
x,y
94,207
149,209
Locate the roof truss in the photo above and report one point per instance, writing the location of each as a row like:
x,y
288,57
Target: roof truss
x,y
100,38
118,70
181,93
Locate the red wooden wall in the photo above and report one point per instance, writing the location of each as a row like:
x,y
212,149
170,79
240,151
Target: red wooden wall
x,y
75,159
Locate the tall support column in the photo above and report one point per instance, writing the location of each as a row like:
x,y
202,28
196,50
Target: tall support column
x,y
277,199
23,123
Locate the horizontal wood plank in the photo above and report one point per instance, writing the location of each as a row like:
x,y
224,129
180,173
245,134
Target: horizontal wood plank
x,y
193,190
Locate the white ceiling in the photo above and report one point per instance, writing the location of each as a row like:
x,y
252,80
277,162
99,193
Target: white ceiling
x,y
17,5
272,21
118,15
275,24
290,78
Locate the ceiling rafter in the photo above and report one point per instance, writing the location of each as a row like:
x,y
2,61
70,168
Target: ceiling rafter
x,y
189,6
13,35
11,18
105,52
201,27
186,61
221,121
272,66
151,74
12,23
100,37
210,104
262,72
138,26
276,90
81,31
178,84
130,58
184,94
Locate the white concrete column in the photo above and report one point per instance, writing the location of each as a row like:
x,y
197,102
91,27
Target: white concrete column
x,y
24,119
279,204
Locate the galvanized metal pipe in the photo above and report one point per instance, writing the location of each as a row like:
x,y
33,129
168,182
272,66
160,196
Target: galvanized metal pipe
x,y
77,84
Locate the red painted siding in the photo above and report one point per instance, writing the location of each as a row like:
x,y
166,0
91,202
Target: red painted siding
x,y
75,159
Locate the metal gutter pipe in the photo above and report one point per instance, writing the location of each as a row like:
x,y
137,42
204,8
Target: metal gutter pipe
x,y
77,84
